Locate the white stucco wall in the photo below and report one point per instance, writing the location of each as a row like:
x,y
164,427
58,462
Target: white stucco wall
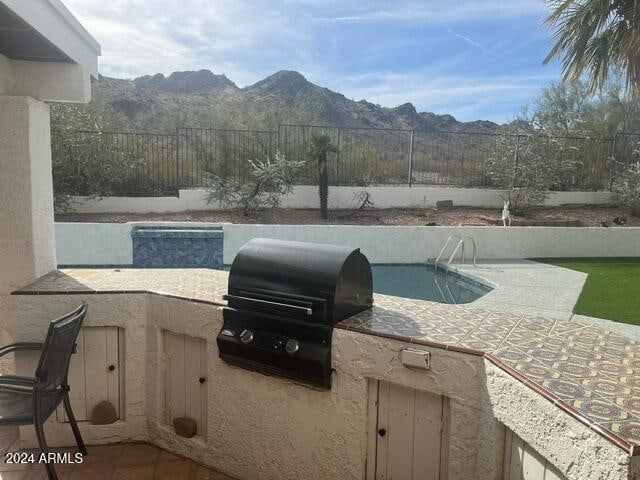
x,y
110,243
262,427
102,243
55,82
27,247
417,244
555,435
268,428
128,312
305,196
94,243
6,75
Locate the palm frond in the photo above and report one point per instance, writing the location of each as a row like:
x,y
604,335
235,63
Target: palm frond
x,y
596,38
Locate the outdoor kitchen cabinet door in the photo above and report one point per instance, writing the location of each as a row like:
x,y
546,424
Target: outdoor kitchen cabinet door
x,y
95,372
410,438
185,378
521,462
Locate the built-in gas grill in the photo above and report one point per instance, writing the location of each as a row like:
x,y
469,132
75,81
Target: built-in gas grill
x,y
284,299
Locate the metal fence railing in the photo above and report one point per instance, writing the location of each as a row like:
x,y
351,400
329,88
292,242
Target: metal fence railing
x,y
134,164
221,152
154,164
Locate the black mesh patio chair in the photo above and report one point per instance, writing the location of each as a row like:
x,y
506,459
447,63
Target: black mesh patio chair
x,y
32,400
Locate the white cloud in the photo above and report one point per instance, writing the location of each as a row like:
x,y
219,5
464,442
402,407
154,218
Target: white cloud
x,y
433,11
148,36
467,98
248,39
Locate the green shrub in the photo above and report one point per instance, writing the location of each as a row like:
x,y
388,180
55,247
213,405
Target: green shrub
x,y
267,181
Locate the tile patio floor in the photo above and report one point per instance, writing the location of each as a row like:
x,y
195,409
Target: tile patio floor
x,y
132,461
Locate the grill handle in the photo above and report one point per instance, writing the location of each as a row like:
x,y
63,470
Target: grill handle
x,y
267,303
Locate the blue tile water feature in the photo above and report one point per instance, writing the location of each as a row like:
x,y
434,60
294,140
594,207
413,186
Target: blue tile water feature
x,y
177,247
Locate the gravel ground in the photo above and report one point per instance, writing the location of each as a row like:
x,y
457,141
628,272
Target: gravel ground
x,y
572,216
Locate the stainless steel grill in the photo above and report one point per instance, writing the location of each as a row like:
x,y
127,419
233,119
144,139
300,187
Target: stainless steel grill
x,y
284,299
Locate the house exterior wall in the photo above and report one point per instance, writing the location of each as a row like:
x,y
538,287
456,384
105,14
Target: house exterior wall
x,y
262,427
53,82
53,21
27,246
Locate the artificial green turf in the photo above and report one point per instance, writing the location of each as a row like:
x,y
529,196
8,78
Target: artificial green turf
x,y
612,289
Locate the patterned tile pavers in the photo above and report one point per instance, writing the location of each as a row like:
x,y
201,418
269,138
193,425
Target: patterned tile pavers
x,y
200,284
564,389
593,374
628,429
599,410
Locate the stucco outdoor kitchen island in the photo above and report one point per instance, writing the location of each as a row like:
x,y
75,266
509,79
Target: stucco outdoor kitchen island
x,y
502,393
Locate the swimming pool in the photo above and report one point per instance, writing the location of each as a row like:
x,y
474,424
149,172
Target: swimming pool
x,y
401,280
420,282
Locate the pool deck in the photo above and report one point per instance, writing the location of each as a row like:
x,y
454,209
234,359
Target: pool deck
x,y
539,289
527,287
587,372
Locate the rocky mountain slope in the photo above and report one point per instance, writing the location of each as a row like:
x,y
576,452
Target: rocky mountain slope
x,y
203,99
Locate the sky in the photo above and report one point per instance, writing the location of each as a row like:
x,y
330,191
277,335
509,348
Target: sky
x,y
474,59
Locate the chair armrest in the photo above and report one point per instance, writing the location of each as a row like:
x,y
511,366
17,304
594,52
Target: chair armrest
x,y
14,347
17,380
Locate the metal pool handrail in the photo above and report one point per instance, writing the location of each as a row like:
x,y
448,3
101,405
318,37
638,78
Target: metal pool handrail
x,y
451,237
459,246
473,244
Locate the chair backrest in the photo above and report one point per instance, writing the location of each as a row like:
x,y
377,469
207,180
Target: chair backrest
x,y
53,367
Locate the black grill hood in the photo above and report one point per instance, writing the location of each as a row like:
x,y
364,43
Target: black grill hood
x,y
341,276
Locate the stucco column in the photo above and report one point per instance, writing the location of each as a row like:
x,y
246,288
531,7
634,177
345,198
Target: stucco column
x,y
27,235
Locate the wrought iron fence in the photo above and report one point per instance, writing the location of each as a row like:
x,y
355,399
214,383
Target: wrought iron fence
x,y
224,153
153,164
129,164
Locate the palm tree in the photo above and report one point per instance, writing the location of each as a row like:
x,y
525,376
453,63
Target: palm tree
x,y
599,38
319,145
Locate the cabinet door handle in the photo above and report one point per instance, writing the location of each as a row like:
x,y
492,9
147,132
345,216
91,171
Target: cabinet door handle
x,y
382,432
202,380
112,368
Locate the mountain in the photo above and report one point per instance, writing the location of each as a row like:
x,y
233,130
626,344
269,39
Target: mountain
x,y
155,103
202,81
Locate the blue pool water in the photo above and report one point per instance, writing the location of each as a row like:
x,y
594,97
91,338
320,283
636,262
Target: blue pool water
x,y
401,280
420,282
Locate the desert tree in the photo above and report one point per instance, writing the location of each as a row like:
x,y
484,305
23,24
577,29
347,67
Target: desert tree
x,y
528,161
268,181
319,146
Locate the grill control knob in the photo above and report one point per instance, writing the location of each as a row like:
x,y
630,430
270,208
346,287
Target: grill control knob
x,y
292,346
246,336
